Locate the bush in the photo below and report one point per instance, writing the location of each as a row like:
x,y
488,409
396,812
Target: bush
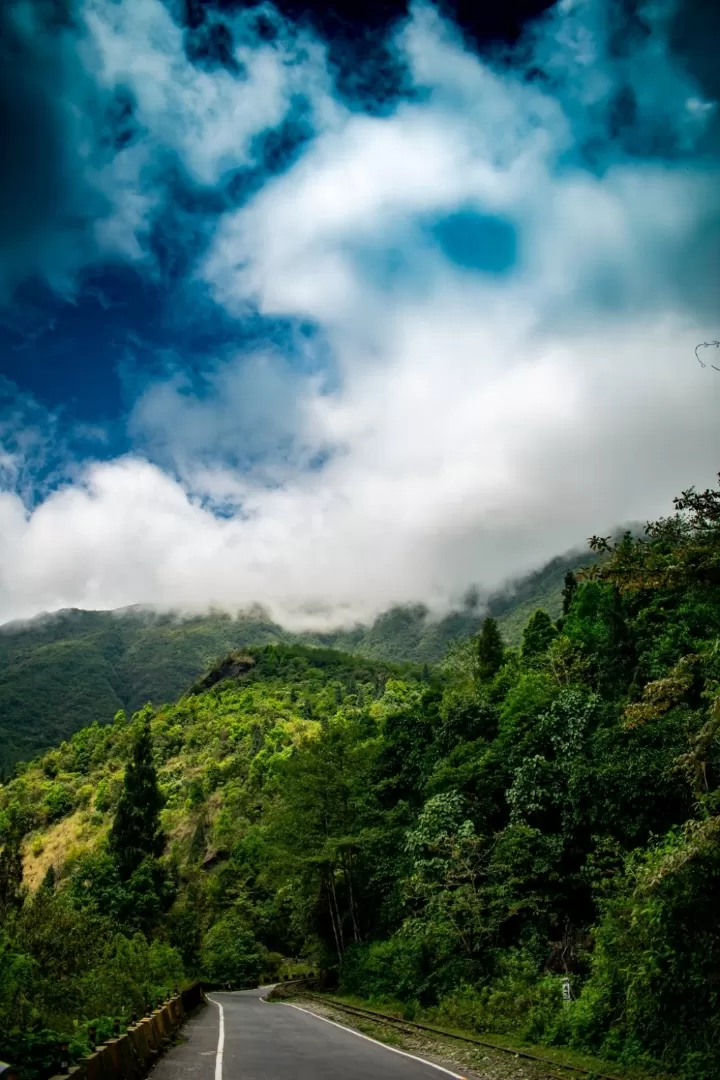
x,y
653,994
58,802
399,969
132,974
231,954
519,999
108,794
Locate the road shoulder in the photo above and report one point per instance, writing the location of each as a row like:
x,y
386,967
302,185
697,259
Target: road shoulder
x,y
193,1056
472,1063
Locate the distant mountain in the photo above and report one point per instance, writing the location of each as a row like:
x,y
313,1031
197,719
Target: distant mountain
x,y
61,672
542,589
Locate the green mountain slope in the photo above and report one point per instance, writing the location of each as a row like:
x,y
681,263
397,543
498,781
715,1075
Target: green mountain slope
x,y
61,672
456,840
542,589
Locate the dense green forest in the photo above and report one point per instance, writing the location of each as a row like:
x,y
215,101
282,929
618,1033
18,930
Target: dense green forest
x,y
61,672
460,838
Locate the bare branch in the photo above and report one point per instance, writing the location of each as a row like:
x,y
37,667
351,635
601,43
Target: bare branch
x,y
707,345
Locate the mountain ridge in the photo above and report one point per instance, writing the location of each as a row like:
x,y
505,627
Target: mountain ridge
x,y
63,670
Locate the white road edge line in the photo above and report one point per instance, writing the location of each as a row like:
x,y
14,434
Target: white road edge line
x,y
221,1040
377,1042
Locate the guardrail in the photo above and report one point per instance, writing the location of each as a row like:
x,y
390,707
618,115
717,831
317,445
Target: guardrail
x,y
130,1056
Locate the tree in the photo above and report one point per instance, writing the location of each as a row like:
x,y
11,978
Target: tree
x,y
321,833
11,875
490,650
570,585
537,635
448,866
135,833
676,553
231,953
49,881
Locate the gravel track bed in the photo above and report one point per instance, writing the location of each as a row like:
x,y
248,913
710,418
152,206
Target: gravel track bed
x,y
479,1063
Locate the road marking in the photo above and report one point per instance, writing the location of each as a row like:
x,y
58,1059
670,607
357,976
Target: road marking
x,y
377,1042
221,1040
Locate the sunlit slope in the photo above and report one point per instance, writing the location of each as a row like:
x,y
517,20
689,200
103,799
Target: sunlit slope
x,y
213,749
62,672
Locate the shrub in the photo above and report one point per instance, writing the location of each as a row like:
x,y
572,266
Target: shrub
x,y
230,953
58,802
519,999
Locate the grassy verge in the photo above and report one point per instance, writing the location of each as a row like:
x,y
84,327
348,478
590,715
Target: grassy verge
x,y
556,1057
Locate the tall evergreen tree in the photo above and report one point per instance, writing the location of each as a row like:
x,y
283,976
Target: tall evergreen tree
x,y
570,585
49,881
135,833
490,653
11,875
537,635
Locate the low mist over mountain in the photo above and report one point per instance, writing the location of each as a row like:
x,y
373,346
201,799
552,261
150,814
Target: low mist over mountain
x,y
462,841
329,333
63,671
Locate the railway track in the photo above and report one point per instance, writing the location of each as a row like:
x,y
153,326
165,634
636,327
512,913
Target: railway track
x,y
559,1069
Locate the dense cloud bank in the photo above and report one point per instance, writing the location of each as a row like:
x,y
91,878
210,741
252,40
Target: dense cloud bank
x,y
491,284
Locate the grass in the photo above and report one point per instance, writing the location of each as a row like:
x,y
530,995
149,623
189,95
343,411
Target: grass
x,y
68,837
558,1056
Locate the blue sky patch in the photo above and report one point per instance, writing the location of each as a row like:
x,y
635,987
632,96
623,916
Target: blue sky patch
x,y
477,241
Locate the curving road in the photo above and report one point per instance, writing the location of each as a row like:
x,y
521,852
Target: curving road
x,y
241,1037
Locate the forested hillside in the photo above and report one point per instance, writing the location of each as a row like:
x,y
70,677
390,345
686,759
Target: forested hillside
x,y
459,839
61,672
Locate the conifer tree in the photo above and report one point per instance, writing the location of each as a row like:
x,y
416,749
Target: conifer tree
x,y
11,875
135,833
537,635
490,654
49,881
570,585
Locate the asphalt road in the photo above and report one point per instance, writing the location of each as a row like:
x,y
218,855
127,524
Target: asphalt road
x,y
240,1037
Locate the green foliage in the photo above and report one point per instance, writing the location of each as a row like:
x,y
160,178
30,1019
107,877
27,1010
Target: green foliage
x,y
231,954
60,673
490,650
570,584
397,969
543,589
653,992
537,636
11,876
58,802
520,1000
65,968
135,834
458,839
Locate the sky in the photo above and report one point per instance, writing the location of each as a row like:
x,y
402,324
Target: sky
x,y
335,308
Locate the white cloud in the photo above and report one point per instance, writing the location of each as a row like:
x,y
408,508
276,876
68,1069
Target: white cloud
x,y
122,111
435,489
248,410
208,117
481,422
